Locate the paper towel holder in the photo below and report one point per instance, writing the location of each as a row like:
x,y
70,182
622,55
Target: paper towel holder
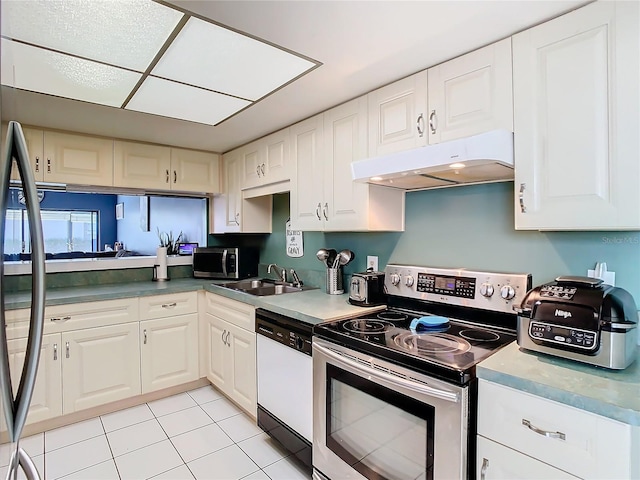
x,y
155,278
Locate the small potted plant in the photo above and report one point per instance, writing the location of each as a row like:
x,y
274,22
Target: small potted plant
x,y
167,241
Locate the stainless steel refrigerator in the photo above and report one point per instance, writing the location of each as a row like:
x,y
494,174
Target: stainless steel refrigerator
x,y
16,406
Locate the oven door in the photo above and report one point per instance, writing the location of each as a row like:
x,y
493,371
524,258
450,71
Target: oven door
x,y
376,420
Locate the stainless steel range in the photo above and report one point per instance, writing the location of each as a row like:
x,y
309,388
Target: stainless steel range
x,y
395,393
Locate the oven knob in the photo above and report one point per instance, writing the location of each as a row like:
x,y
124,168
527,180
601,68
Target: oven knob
x,y
395,279
507,292
408,281
486,289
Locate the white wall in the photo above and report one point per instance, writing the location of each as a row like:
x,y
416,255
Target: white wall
x,y
188,215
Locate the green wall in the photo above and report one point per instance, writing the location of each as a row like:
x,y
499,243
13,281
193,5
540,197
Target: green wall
x,y
470,227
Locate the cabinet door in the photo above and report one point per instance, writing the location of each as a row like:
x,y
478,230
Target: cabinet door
x,y
232,193
171,305
576,118
78,159
137,165
46,401
194,171
253,166
307,184
471,94
278,166
216,351
241,364
397,115
497,462
34,140
346,202
101,365
169,351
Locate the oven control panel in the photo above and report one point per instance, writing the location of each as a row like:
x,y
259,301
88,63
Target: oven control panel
x,y
454,286
485,290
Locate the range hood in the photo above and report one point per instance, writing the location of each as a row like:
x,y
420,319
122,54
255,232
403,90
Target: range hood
x,y
483,158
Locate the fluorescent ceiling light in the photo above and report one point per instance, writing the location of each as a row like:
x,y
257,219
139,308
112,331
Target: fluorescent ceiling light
x,y
124,33
218,59
184,102
139,55
32,68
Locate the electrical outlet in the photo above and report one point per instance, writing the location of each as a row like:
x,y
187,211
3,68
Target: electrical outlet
x,y
372,262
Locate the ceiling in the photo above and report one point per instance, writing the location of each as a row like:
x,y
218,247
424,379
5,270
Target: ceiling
x,y
362,45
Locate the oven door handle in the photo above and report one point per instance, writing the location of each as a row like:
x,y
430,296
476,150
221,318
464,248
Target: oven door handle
x,y
397,381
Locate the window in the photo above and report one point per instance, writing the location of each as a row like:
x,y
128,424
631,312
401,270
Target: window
x,y
64,231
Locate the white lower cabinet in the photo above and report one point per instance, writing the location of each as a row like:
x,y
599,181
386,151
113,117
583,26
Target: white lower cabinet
x,y
231,349
539,438
497,462
101,365
168,351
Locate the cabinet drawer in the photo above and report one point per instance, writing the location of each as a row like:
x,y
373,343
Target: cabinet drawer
x,y
161,306
237,313
62,318
497,462
593,446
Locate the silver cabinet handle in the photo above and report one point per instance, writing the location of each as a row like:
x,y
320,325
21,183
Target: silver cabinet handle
x,y
169,305
144,334
433,121
67,349
325,211
37,164
48,165
483,470
55,351
223,332
167,176
545,433
523,207
236,219
175,176
262,169
420,125
258,170
318,211
226,340
63,319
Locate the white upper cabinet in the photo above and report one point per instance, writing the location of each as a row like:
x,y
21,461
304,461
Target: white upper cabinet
x,y
78,159
266,161
471,94
138,165
576,117
194,171
397,116
231,212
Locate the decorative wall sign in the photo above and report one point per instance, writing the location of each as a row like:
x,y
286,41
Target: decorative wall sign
x,y
295,244
119,211
144,213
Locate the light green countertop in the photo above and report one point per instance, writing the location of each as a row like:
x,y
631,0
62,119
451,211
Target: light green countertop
x,y
310,306
611,393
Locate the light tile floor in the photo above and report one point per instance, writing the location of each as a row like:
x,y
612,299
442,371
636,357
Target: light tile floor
x,y
194,435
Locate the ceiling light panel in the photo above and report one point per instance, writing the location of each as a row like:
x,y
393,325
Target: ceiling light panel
x,y
171,99
215,58
31,68
125,33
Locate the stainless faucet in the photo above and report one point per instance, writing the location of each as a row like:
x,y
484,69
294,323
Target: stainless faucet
x,y
282,274
296,279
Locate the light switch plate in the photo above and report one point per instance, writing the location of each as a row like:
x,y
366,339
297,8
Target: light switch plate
x,y
372,262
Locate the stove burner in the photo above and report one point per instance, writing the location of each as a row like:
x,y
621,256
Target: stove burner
x,y
431,343
368,325
392,316
479,335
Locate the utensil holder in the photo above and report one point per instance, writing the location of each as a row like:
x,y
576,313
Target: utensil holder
x,y
334,281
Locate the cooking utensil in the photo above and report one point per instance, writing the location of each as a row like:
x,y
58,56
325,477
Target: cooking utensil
x,y
331,258
323,255
345,256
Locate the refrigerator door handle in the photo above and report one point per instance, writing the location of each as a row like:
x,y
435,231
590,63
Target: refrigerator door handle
x,y
18,409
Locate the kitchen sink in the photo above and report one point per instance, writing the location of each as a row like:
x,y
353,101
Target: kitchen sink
x,y
264,287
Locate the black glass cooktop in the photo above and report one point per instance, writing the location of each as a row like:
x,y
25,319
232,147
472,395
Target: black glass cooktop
x,y
441,346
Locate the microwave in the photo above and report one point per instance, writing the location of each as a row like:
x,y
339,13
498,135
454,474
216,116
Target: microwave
x,y
225,262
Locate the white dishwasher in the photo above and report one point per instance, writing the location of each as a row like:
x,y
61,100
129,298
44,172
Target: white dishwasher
x,y
285,381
